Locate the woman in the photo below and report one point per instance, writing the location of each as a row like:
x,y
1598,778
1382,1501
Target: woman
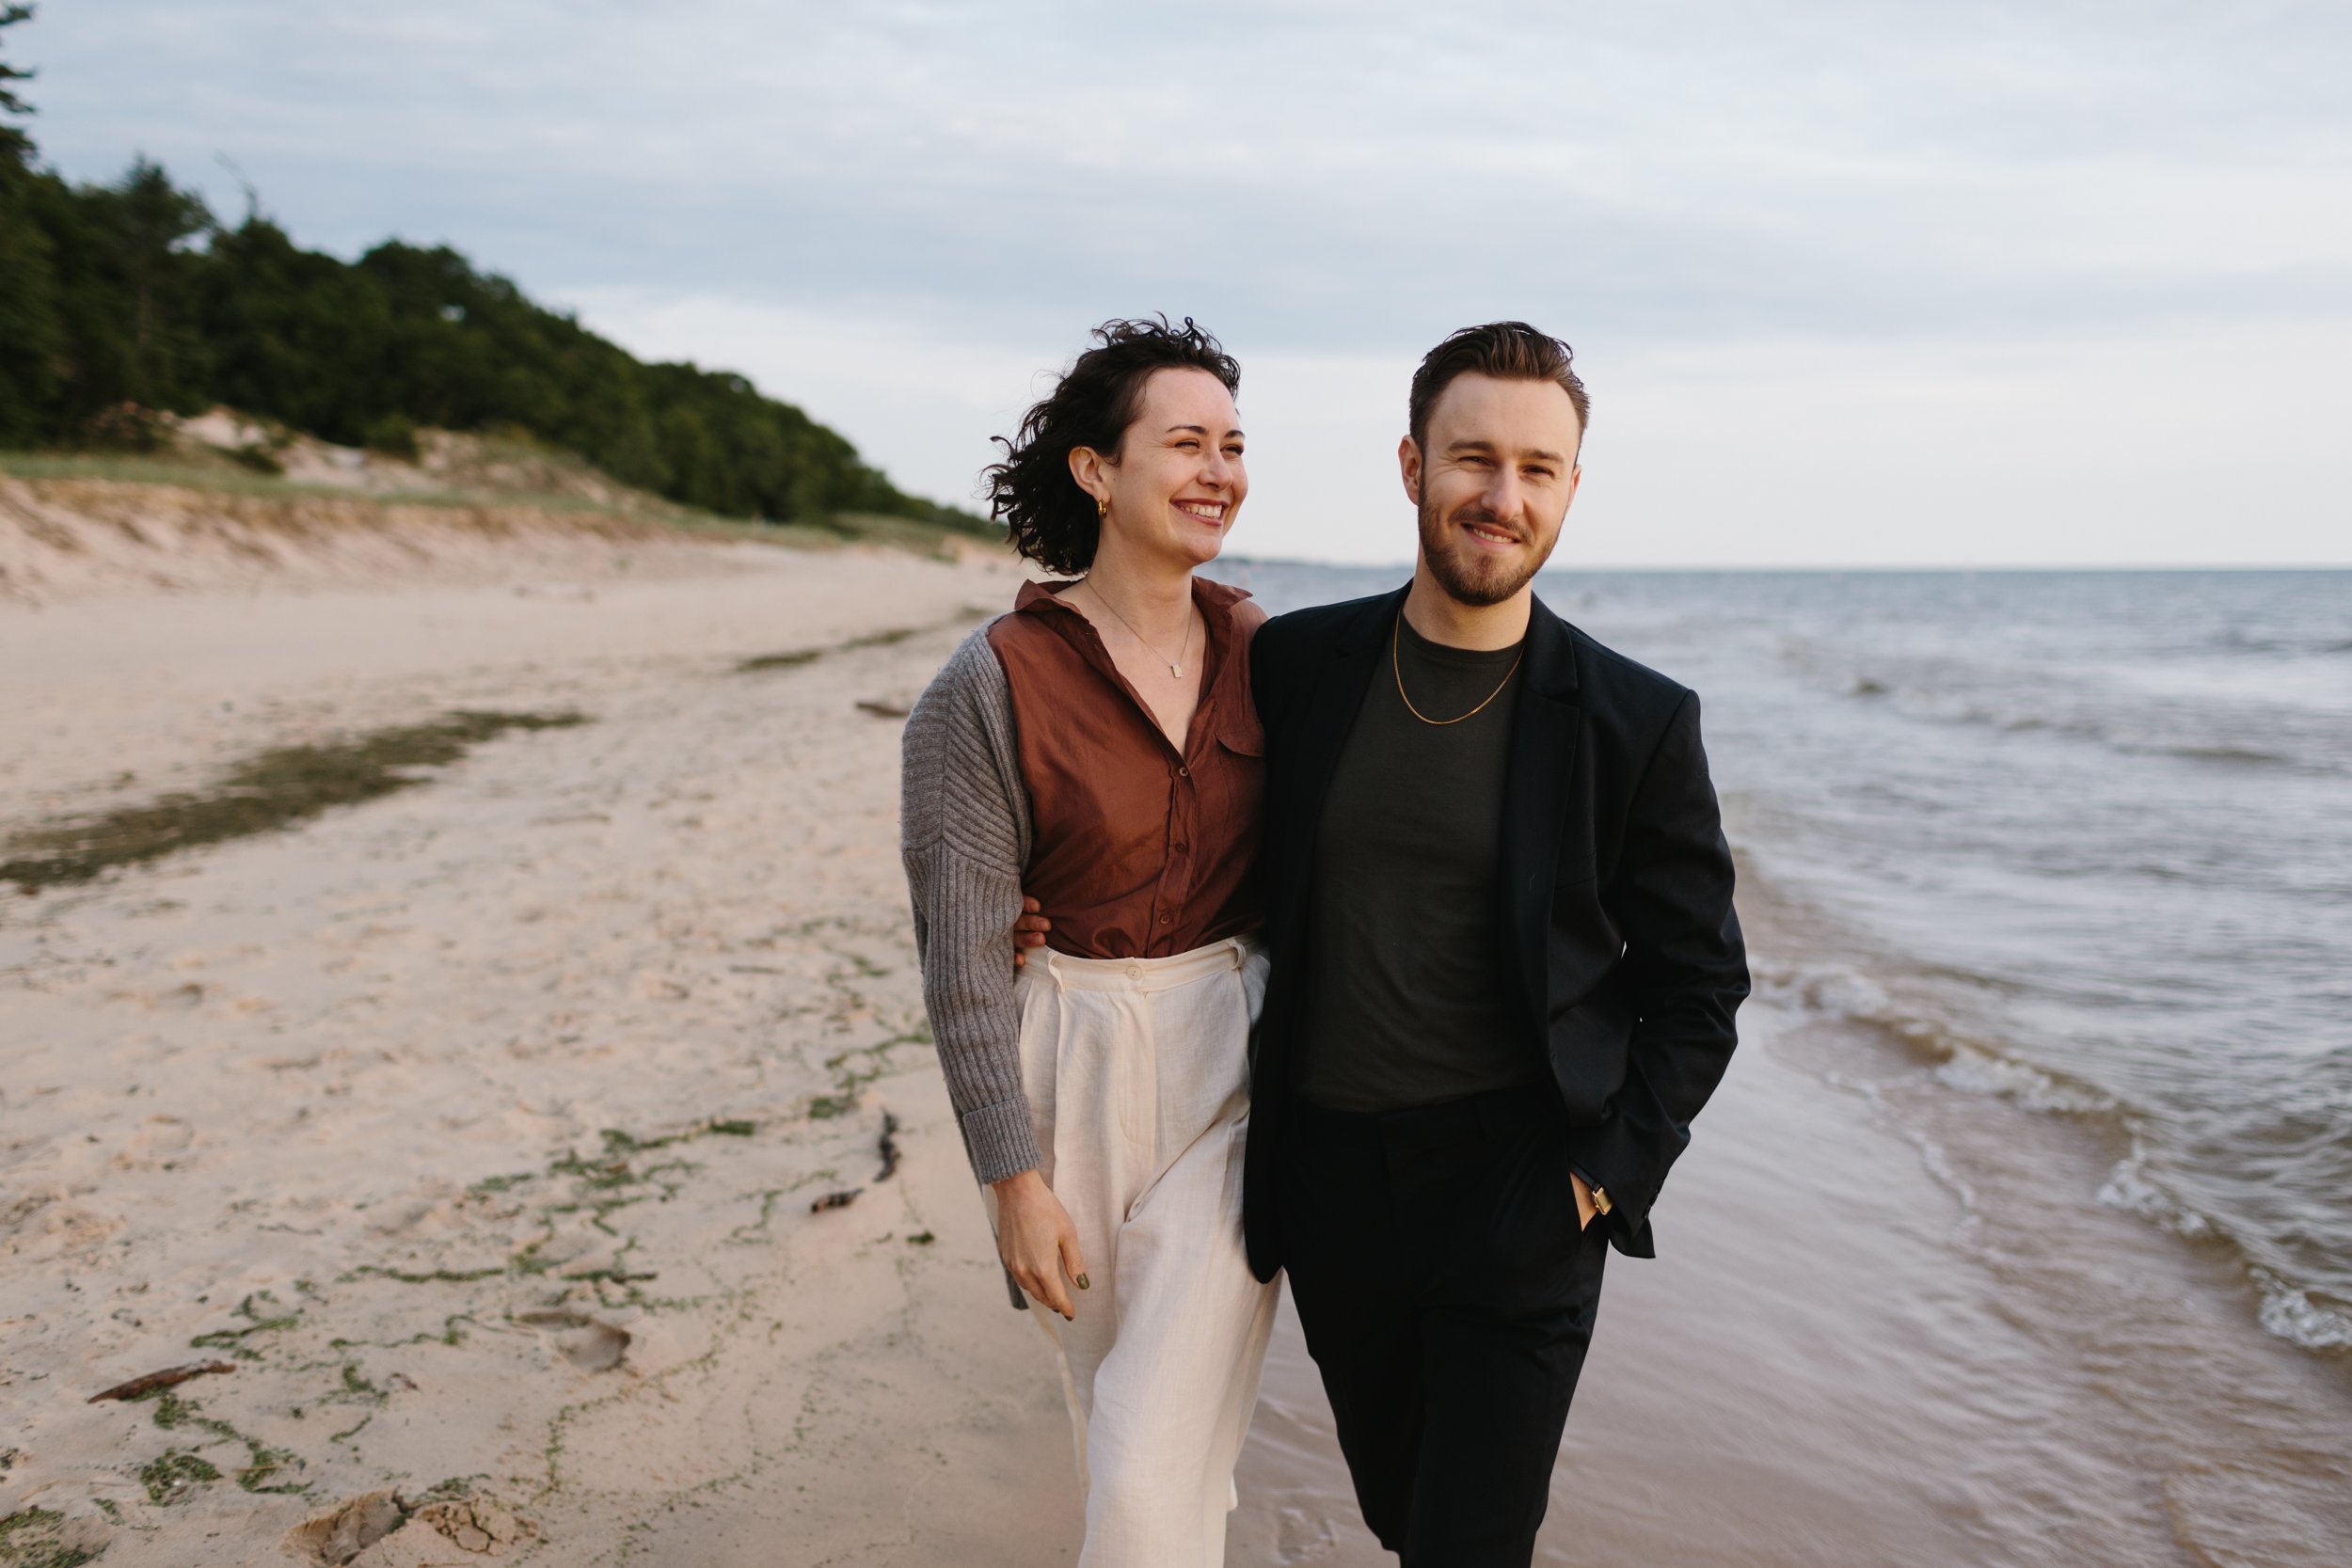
x,y
1099,747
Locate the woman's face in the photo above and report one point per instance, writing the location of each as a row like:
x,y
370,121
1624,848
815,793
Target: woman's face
x,y
1178,482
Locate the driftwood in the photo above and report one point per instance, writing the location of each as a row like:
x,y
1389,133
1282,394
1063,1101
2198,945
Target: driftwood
x,y
889,1148
163,1379
880,710
834,1201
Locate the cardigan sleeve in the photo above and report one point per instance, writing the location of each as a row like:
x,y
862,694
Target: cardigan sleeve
x,y
964,838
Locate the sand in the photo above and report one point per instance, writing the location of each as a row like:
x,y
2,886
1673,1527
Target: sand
x,y
479,1128
66,539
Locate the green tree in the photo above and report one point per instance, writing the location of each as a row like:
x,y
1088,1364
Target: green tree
x,y
125,297
15,145
142,225
131,293
31,345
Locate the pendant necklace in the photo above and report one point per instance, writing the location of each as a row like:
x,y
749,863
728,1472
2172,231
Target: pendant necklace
x,y
1176,665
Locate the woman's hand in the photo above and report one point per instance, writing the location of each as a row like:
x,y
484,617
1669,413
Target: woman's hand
x,y
1038,1243
1028,931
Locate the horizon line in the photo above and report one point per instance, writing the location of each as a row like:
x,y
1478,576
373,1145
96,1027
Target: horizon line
x,y
1407,566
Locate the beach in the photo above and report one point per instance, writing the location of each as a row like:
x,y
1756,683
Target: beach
x,y
552,1152
478,1127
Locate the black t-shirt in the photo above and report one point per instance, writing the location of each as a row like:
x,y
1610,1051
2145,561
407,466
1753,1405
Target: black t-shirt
x,y
1407,1000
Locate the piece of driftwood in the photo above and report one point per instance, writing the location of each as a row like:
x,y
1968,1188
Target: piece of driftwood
x,y
889,1148
163,1379
834,1201
880,710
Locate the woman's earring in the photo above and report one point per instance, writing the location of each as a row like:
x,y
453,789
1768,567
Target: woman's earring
x,y
1101,507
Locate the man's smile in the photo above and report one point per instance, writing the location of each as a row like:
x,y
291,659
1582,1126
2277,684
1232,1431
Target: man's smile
x,y
1493,537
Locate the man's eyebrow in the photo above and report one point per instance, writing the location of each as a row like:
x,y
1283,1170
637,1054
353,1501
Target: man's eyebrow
x,y
1542,454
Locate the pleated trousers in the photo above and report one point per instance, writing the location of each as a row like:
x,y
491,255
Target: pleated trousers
x,y
1138,1076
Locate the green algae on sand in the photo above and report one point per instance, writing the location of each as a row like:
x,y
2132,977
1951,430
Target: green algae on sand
x,y
36,1538
279,787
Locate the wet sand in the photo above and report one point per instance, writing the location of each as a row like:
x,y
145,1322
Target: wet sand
x,y
1863,1347
478,1127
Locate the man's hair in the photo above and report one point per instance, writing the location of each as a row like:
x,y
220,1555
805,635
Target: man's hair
x,y
1508,351
1049,518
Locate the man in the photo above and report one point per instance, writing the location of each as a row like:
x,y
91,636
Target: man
x,y
1505,966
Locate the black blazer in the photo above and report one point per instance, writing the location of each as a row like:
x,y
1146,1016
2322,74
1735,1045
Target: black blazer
x,y
1617,900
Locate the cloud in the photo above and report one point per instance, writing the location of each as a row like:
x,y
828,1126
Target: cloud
x,y
2197,444
826,196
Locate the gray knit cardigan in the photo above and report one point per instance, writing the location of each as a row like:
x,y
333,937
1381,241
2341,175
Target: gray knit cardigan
x,y
963,830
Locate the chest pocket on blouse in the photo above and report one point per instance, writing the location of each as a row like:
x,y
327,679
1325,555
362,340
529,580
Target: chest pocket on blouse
x,y
1234,785
1243,734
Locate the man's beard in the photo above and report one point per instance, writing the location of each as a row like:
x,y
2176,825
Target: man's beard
x,y
1468,575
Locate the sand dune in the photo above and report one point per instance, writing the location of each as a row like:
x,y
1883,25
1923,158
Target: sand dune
x,y
63,539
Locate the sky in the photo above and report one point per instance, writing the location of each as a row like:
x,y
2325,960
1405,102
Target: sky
x,y
1853,284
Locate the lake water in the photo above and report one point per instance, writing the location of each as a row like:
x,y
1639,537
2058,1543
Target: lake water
x,y
2082,840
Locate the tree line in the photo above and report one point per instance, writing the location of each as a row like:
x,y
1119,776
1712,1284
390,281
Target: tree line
x,y
120,298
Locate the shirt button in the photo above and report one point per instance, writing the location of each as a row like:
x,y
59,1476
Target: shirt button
x,y
1164,919
1177,847
1183,772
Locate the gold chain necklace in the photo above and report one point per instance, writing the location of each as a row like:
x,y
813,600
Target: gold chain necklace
x,y
1176,665
1396,636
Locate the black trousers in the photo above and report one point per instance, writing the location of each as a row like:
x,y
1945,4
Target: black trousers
x,y
1447,1295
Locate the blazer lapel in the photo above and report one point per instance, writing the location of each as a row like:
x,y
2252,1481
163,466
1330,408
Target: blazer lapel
x,y
1333,700
1538,785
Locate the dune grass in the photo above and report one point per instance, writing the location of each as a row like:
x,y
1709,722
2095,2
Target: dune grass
x,y
231,479
223,476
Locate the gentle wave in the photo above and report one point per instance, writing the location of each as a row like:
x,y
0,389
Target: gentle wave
x,y
1969,1063
2076,840
1964,1060
1953,692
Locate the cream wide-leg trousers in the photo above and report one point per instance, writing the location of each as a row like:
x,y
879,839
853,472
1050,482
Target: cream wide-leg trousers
x,y
1138,1075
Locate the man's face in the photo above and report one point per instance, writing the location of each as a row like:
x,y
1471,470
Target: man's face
x,y
1493,483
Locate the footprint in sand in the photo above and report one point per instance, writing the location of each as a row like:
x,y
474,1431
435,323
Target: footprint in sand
x,y
345,1530
381,1529
1303,1537
586,1343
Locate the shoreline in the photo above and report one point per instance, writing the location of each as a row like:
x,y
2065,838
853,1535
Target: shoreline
x,y
478,1127
1881,1331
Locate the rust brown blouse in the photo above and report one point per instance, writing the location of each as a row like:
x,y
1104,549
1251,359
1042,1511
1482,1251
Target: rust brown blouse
x,y
1139,850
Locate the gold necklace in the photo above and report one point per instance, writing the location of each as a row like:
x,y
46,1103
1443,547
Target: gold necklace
x,y
1396,635
1176,665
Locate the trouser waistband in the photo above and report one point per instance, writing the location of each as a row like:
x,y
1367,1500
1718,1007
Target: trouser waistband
x,y
1177,969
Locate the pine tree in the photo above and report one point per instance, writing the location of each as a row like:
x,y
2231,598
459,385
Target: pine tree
x,y
16,148
31,343
129,298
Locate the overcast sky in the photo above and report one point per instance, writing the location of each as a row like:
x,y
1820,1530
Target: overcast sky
x,y
1891,283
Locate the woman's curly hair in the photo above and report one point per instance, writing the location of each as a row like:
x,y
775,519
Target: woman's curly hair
x,y
1050,519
